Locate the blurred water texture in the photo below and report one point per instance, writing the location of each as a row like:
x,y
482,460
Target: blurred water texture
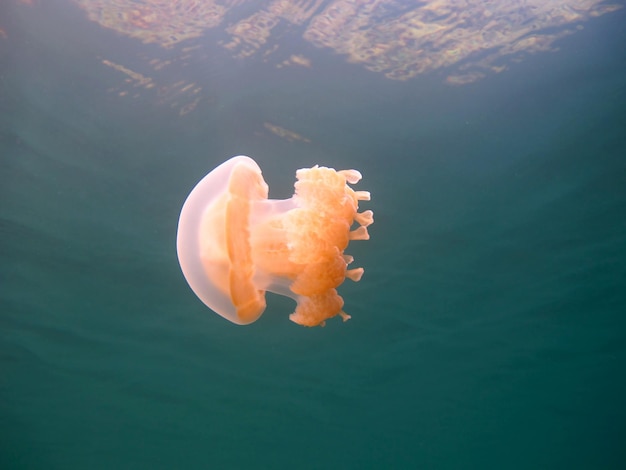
x,y
488,330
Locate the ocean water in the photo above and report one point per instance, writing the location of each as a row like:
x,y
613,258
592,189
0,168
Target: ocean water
x,y
487,332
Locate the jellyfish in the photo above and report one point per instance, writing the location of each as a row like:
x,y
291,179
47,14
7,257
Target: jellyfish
x,y
234,243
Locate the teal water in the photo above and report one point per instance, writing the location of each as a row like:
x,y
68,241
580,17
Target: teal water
x,y
487,332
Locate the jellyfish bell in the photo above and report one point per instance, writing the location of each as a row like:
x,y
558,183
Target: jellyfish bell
x,y
234,243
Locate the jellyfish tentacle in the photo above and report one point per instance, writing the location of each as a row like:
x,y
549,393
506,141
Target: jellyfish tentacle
x,y
351,176
360,233
365,218
344,316
363,195
355,274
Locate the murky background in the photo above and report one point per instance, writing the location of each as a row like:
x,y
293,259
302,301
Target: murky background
x,y
488,329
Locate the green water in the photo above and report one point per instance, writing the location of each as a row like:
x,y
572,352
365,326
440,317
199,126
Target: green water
x,y
487,332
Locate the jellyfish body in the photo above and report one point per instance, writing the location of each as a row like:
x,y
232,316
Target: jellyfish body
x,y
234,243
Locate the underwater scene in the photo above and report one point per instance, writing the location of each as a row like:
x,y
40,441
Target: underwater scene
x,y
312,234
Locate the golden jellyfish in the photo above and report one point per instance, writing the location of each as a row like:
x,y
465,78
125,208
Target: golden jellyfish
x,y
234,243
